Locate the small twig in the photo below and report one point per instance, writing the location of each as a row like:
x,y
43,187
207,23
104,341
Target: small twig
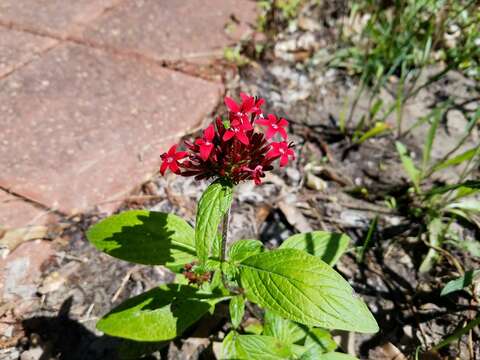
x,y
89,312
123,283
448,255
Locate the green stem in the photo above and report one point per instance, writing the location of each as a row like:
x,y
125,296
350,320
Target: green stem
x,y
225,223
458,334
223,250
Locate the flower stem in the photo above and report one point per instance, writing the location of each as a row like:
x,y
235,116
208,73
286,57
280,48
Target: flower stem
x,y
226,220
223,251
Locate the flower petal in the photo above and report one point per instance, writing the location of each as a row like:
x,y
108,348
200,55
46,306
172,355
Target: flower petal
x,y
272,118
246,126
231,104
205,151
263,122
228,135
244,96
284,160
282,132
209,133
181,155
163,168
242,138
172,150
282,122
270,133
174,167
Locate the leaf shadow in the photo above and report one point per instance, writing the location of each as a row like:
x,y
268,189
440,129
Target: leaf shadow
x,y
149,242
333,246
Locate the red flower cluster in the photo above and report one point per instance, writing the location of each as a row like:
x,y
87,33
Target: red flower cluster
x,y
232,148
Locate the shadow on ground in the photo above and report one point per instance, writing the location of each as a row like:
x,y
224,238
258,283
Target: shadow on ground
x,y
61,337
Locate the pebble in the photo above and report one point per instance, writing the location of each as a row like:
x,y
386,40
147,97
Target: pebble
x,y
32,354
315,183
293,175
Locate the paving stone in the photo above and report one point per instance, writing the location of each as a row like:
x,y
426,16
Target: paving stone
x,y
21,270
83,127
18,48
15,212
51,16
172,30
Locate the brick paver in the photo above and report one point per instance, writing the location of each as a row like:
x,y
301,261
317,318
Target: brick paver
x,y
171,30
84,127
14,212
18,48
83,118
58,17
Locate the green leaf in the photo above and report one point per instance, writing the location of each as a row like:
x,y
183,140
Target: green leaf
x,y
145,237
229,347
436,232
407,162
436,116
466,205
319,341
327,246
242,249
237,310
254,327
303,288
469,184
473,247
371,230
336,356
284,330
460,283
258,347
159,314
213,205
456,160
379,128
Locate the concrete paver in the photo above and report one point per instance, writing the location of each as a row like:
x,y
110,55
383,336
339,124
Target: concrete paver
x,y
172,30
82,127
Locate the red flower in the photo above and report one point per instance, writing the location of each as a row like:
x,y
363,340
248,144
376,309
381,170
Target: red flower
x,y
274,126
206,144
242,111
237,129
170,160
256,173
233,149
281,150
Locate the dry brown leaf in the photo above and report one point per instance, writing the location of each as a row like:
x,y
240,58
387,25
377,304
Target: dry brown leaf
x,y
294,217
387,351
13,237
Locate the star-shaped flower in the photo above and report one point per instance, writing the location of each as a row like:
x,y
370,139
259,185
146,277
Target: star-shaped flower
x,y
274,126
281,150
256,173
237,129
242,111
170,160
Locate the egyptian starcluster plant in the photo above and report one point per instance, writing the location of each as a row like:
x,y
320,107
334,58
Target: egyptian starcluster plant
x,y
302,296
